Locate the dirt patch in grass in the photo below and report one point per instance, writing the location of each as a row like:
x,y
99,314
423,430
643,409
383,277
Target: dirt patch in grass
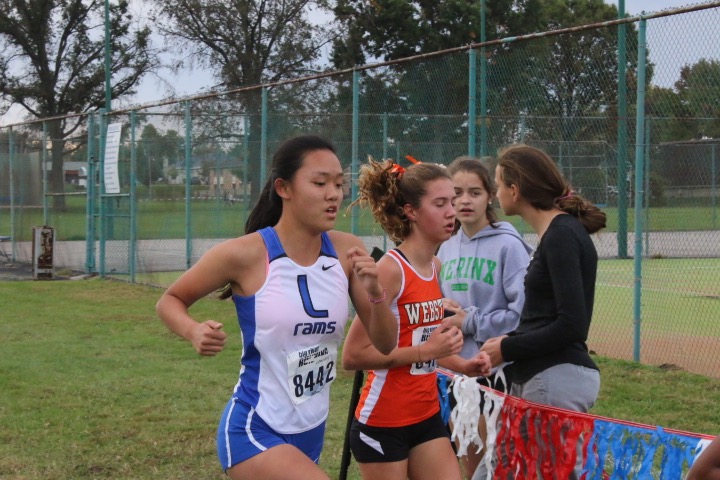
x,y
670,351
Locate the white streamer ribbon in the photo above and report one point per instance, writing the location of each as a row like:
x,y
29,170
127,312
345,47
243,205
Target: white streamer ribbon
x,y
466,413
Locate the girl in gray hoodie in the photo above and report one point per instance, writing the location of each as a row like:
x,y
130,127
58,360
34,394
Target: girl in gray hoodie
x,y
483,269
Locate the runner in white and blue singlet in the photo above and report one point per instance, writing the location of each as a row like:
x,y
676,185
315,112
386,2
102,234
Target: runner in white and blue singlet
x,y
302,312
291,276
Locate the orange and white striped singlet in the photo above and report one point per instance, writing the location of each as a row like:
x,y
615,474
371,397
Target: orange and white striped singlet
x,y
406,395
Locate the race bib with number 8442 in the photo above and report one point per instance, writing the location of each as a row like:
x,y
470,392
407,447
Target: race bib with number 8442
x,y
310,370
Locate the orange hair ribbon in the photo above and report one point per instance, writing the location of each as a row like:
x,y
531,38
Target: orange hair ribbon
x,y
399,170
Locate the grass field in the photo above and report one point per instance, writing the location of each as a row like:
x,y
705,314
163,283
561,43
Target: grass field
x,y
671,288
92,385
679,305
212,218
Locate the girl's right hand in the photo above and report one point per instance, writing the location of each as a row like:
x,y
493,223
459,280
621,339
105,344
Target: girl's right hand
x,y
454,312
445,340
207,338
493,347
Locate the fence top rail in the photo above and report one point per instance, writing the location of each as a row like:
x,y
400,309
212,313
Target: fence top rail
x,y
332,73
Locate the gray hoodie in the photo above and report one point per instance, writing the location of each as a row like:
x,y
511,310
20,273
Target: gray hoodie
x,y
485,274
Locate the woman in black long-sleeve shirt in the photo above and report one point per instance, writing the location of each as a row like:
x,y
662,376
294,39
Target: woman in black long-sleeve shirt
x,y
551,363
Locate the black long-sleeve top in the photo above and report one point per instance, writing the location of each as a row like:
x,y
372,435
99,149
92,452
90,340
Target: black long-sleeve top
x,y
559,296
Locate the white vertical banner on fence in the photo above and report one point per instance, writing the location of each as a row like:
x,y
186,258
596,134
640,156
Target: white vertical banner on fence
x,y
112,152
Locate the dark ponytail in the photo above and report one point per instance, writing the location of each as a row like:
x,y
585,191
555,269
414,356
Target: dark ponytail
x,y
267,210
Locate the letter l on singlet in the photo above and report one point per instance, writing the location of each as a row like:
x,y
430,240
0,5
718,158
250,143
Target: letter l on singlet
x,y
307,301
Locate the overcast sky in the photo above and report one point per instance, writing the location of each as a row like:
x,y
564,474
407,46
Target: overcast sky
x,y
635,7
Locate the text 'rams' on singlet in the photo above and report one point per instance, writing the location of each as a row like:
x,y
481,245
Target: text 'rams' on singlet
x,y
291,329
406,395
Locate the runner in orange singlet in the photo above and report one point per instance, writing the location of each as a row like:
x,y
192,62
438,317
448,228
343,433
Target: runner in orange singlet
x,y
398,433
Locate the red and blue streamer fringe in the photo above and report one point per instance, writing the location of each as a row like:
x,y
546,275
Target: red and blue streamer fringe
x,y
539,441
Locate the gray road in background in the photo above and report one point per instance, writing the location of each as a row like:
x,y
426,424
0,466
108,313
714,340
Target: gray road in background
x,y
170,255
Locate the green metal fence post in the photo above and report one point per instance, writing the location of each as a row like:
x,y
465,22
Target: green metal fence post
x,y
133,198
11,174
108,70
483,83
246,160
90,206
263,137
713,171
560,148
385,136
622,135
355,147
648,193
101,174
472,91
44,173
639,184
216,188
188,204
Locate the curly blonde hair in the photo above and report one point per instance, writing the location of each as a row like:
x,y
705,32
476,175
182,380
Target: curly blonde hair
x,y
387,188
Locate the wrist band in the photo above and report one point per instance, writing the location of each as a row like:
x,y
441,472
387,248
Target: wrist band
x,y
378,300
418,351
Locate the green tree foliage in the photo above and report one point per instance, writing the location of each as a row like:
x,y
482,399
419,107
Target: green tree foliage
x,y
699,92
566,76
245,43
155,151
394,29
669,117
52,63
570,77
427,99
691,110
683,121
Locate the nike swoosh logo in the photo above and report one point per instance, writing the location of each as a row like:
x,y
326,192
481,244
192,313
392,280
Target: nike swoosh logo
x,y
328,268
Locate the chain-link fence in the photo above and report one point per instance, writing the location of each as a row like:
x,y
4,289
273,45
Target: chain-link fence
x,y
643,145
